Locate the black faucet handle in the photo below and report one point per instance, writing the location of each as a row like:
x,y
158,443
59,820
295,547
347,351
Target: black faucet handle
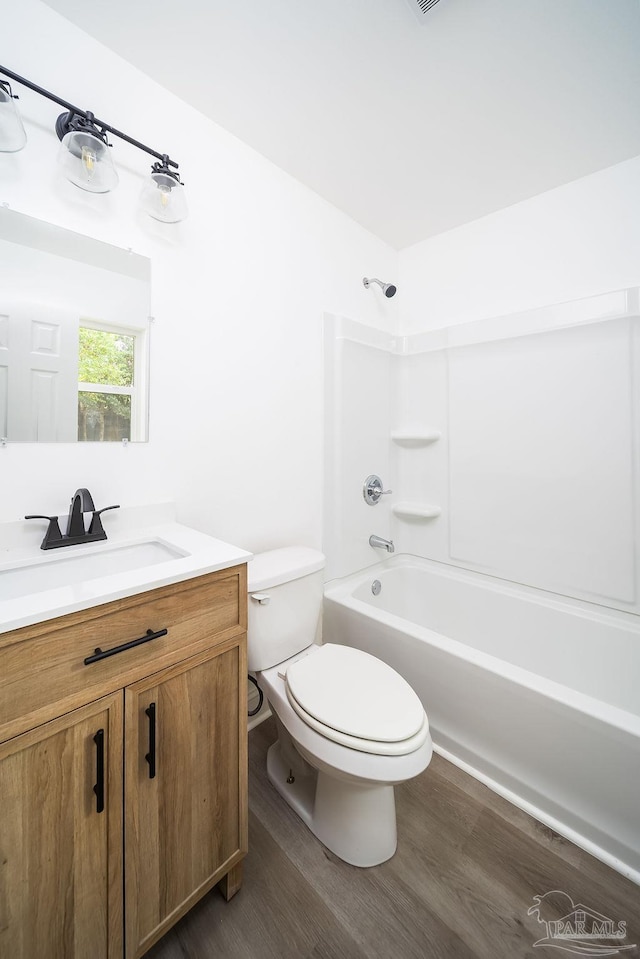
x,y
95,527
53,535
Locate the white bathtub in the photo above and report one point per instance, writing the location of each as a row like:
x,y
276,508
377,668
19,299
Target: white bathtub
x,y
535,694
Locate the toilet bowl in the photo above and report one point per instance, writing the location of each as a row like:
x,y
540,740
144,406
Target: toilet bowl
x,y
349,727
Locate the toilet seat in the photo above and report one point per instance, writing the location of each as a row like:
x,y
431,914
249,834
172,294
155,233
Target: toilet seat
x,y
401,748
355,699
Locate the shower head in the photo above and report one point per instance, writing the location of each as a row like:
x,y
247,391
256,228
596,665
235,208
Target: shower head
x,y
387,288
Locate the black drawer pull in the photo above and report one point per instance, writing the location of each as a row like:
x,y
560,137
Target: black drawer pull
x,y
99,654
151,755
99,786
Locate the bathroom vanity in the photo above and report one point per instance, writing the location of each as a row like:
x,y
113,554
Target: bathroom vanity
x,y
122,756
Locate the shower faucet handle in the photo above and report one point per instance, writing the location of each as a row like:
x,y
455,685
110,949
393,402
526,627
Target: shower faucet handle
x,y
373,489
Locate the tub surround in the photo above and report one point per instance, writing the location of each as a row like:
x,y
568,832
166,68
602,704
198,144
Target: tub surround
x,y
510,444
534,694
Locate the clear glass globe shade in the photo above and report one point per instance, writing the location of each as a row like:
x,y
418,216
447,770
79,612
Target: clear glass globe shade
x,y
12,135
163,198
85,160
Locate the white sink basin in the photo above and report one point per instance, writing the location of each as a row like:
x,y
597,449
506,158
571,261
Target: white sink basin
x,y
145,551
58,569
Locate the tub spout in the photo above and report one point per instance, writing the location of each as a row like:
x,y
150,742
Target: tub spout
x,y
379,543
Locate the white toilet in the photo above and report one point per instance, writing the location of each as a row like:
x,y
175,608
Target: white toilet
x,y
349,726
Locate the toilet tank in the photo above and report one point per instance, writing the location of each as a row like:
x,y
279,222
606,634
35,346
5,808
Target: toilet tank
x,y
285,600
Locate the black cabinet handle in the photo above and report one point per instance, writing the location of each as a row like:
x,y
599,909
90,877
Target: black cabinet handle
x,y
99,654
151,755
99,786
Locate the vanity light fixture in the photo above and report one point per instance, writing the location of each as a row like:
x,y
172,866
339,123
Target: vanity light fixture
x,y
84,152
12,135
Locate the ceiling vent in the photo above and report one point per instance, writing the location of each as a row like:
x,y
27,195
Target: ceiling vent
x,y
421,8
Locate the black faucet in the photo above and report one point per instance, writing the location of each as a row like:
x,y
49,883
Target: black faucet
x,y
81,503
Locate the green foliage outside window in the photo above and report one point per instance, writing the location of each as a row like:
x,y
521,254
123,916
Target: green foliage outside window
x,y
104,359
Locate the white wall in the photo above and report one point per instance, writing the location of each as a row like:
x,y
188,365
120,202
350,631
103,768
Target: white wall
x,y
238,293
576,241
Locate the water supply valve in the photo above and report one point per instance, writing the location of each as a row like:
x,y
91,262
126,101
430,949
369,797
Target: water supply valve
x,y
373,489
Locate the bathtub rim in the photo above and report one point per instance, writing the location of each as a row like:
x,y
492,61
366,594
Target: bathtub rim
x,y
341,591
339,586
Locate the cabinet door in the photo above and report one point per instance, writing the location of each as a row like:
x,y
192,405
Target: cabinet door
x,y
61,837
185,788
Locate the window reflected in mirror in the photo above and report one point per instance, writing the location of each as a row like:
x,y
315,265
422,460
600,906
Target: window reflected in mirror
x,y
107,396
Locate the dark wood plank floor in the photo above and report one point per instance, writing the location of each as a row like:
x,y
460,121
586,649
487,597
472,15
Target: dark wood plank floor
x,y
467,867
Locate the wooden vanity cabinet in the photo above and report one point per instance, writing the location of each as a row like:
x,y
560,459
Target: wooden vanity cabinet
x,y
60,837
136,760
184,822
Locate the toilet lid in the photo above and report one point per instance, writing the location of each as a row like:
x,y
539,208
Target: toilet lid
x,y
356,694
401,748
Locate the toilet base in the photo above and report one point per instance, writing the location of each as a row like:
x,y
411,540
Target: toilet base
x,y
355,820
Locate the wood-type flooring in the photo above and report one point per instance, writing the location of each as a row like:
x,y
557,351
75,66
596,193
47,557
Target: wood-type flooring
x,y
460,885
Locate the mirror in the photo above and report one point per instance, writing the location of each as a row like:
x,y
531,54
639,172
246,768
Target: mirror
x,y
74,336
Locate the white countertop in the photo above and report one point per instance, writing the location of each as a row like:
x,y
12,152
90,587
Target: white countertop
x,y
188,552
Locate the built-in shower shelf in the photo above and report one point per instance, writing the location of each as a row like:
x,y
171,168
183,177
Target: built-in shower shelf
x,y
416,511
414,438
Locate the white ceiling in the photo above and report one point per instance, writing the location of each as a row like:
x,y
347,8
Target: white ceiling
x,y
409,128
